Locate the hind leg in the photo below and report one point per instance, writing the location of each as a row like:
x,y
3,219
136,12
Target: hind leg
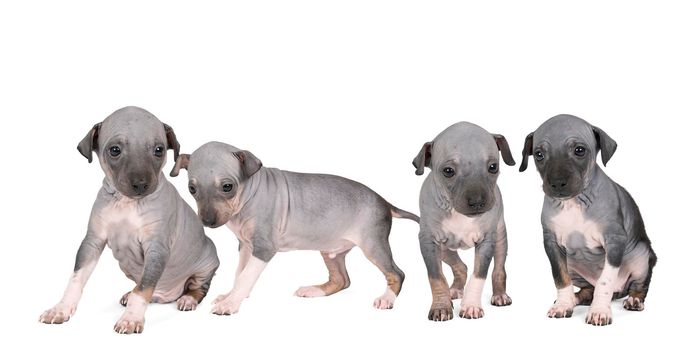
x,y
639,288
459,271
338,278
196,289
379,253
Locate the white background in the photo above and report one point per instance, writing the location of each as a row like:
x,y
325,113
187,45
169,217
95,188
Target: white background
x,y
351,88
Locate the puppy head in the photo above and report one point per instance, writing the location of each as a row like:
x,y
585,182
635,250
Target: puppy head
x,y
565,150
465,162
131,145
217,173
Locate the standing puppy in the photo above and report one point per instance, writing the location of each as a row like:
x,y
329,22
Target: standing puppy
x,y
594,235
460,208
272,210
156,237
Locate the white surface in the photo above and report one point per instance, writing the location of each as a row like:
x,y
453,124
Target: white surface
x,y
351,88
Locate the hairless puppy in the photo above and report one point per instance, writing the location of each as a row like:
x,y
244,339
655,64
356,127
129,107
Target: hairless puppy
x,y
460,208
156,237
272,210
594,235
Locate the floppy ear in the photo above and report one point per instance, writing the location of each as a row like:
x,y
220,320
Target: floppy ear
x,y
181,162
89,142
423,158
502,144
527,151
250,164
172,141
606,144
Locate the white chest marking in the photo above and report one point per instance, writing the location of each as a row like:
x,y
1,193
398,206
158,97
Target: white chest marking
x,y
465,229
573,230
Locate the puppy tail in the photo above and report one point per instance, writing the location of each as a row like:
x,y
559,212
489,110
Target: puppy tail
x,y
402,214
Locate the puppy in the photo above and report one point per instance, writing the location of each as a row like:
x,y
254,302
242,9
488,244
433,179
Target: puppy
x,y
156,237
594,235
272,210
461,208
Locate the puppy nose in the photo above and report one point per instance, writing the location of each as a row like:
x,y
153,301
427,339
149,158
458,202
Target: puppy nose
x,y
140,186
476,203
209,220
558,183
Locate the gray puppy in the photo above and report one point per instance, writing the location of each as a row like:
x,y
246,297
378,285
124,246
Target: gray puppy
x,y
460,208
272,210
156,237
594,235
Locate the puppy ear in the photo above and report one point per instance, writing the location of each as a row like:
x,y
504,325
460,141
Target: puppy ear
x,y
423,158
172,141
250,164
606,144
181,162
502,144
89,142
527,151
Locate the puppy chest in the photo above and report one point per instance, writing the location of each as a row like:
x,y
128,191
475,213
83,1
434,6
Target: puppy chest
x,y
460,232
573,229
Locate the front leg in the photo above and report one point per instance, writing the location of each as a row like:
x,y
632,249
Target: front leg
x,y
471,302
230,303
600,313
85,261
441,308
156,257
498,276
564,305
244,254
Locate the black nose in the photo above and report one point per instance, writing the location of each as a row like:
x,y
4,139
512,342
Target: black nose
x,y
209,221
140,186
476,203
558,183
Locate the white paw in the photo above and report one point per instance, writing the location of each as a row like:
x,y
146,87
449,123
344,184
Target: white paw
x,y
129,323
456,293
561,308
471,311
599,316
186,303
220,298
309,292
386,301
57,314
225,306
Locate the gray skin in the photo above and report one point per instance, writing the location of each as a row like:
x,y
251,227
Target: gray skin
x,y
272,210
156,237
460,208
592,226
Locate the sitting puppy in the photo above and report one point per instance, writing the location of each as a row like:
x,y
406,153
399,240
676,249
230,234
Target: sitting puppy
x,y
593,232
272,210
460,208
156,237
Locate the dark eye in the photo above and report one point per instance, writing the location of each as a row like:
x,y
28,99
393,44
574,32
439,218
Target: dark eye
x,y
228,187
539,155
192,189
579,151
115,151
159,151
493,168
448,172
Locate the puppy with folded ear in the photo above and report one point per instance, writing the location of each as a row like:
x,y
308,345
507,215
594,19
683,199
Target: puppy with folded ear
x,y
594,235
461,208
156,237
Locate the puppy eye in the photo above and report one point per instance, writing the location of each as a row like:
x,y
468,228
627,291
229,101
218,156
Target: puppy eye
x,y
539,155
228,187
158,152
115,151
580,151
192,189
448,172
493,168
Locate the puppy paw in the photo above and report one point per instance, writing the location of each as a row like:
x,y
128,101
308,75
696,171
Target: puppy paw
x,y
225,307
219,298
501,300
440,312
57,314
125,298
561,308
456,293
471,311
385,301
187,303
129,323
634,304
599,316
309,292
